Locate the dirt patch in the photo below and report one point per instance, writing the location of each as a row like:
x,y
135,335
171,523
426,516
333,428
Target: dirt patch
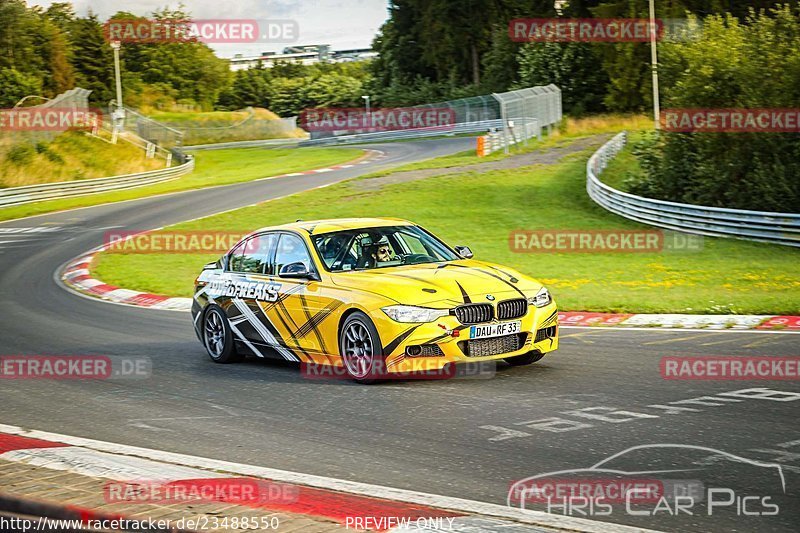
x,y
549,156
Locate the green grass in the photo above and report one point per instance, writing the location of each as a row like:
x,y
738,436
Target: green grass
x,y
69,156
193,116
227,126
197,118
481,209
569,131
219,167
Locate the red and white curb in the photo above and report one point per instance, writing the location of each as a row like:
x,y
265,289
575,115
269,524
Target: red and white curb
x,y
371,157
678,321
335,499
77,275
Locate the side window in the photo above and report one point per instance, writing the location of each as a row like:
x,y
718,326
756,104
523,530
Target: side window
x,y
235,258
291,249
252,255
255,259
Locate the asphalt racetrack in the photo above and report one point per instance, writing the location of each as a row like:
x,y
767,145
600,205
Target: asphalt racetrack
x,y
600,394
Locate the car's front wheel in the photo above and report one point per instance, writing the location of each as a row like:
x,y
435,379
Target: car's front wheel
x,y
360,347
218,337
525,359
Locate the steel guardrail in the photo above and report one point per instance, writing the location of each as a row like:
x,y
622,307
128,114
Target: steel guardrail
x,y
66,189
764,226
263,143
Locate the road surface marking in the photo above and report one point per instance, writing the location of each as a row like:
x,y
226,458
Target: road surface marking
x,y
686,338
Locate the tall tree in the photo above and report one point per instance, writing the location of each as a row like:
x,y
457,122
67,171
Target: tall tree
x,y
92,59
62,14
448,46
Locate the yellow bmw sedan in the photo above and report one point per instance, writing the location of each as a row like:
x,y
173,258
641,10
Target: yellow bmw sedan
x,y
372,297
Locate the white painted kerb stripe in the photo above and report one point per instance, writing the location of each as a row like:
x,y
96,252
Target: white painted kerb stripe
x,y
352,487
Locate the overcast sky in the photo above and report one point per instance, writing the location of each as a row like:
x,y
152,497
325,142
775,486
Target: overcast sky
x,y
340,23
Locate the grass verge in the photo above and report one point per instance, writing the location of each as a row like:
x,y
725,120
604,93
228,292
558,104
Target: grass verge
x,y
70,156
219,167
228,126
481,209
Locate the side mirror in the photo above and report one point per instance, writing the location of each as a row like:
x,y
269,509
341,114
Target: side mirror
x,y
297,270
211,266
463,251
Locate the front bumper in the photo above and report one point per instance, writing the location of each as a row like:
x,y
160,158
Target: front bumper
x,y
446,341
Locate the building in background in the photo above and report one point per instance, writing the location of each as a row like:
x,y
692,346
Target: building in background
x,y
304,54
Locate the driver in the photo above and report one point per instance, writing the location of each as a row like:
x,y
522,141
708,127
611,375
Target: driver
x,y
382,253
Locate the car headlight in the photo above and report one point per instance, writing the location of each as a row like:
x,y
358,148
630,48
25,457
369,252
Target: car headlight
x,y
541,299
411,313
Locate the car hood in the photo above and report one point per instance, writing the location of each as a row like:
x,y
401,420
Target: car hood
x,y
441,284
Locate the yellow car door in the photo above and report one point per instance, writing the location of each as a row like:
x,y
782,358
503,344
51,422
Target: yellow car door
x,y
305,303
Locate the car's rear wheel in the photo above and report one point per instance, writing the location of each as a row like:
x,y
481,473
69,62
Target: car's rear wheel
x,y
525,359
218,337
360,347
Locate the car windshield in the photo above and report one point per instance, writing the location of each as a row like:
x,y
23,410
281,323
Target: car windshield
x,y
368,248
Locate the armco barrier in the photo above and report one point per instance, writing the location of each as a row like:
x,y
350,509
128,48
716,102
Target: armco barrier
x,y
65,189
265,143
766,226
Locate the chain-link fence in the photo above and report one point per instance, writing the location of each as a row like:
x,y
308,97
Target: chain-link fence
x,y
474,109
254,126
176,135
516,116
155,137
41,124
129,120
76,99
525,112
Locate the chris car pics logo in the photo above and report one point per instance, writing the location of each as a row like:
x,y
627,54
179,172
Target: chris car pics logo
x,y
700,486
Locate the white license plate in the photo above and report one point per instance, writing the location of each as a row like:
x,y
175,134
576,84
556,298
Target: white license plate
x,y
485,331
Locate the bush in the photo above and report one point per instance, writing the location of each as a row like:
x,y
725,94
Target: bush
x,y
573,67
731,65
45,150
21,154
15,85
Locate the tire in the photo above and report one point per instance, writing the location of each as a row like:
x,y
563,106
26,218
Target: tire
x,y
525,359
218,337
360,348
